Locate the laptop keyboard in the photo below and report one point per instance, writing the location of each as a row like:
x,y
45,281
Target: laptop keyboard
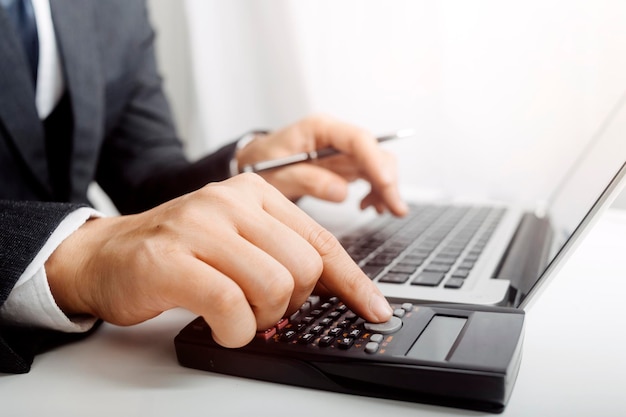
x,y
433,246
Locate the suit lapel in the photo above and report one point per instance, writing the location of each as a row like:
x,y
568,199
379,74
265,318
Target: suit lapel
x,y
75,26
17,107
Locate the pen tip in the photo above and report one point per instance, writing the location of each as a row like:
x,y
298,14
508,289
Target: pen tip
x,y
405,133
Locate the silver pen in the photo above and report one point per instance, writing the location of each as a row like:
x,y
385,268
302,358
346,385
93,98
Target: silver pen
x,y
315,154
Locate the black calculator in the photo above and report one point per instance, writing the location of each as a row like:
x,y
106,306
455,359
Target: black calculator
x,y
452,355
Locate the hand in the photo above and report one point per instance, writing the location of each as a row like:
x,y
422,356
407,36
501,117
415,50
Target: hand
x,y
328,178
238,253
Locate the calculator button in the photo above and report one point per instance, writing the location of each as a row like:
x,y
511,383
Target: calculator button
x,y
371,347
306,338
345,342
281,324
344,324
393,325
377,338
335,331
407,307
334,315
266,334
317,329
288,335
354,333
351,317
326,322
314,300
326,341
398,312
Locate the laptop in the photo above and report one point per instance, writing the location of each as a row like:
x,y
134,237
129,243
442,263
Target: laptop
x,y
489,254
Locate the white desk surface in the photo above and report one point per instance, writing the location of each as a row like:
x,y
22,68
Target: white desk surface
x,y
573,361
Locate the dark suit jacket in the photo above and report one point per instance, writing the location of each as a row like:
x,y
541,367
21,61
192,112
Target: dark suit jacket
x,y
122,137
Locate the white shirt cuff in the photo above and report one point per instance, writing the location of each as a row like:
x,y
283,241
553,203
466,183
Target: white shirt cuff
x,y
31,303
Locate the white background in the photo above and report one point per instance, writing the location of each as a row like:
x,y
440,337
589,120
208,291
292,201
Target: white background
x,y
503,95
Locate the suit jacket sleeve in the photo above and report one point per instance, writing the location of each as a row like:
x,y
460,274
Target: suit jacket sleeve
x,y
24,228
142,163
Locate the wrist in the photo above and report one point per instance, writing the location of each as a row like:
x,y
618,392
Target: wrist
x,y
242,143
67,268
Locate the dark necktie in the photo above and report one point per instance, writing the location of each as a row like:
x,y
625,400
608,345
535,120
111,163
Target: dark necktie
x,y
22,14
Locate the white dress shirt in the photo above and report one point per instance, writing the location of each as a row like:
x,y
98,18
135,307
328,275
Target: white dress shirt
x,y
50,84
31,303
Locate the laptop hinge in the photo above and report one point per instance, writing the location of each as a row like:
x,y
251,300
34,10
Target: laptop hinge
x,y
526,256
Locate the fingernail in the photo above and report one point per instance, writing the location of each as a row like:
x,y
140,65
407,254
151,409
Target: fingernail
x,y
380,307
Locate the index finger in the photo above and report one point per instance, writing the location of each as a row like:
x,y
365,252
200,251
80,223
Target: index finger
x,y
340,274
364,148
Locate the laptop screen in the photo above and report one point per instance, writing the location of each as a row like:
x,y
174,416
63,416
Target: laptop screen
x,y
589,186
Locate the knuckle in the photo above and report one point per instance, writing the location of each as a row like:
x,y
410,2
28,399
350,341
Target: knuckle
x,y
217,192
279,285
250,179
311,270
324,241
227,303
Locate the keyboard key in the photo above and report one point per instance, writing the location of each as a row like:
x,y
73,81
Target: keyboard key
x,y
437,268
430,279
461,273
372,271
443,261
395,278
382,260
466,265
402,268
410,259
454,283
